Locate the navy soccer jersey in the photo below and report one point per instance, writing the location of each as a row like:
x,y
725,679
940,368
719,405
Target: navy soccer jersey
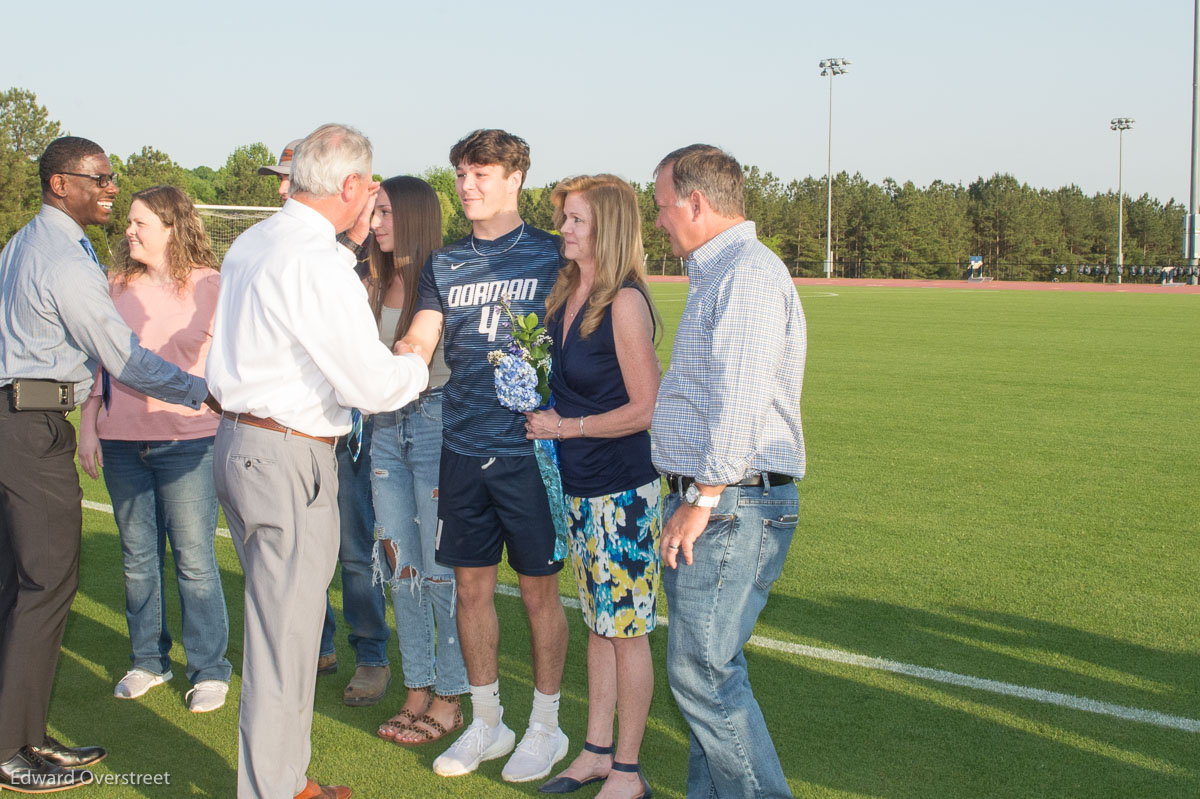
x,y
464,283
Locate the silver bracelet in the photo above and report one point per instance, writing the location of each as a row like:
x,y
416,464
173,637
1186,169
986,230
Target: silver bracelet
x,y
581,434
558,428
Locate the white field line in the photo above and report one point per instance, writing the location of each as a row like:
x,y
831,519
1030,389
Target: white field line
x,y
908,669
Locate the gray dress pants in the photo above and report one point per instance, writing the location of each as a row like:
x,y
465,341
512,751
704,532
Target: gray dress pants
x,y
280,497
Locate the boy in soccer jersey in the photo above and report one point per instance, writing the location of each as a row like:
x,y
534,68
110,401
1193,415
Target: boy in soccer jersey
x,y
490,491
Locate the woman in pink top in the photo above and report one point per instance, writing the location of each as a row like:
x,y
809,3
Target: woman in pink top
x,y
157,457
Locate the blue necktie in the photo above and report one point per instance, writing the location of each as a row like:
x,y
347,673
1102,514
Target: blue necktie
x,y
87,247
105,380
354,440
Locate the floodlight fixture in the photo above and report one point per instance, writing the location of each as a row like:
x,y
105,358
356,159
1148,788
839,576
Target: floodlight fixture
x,y
1120,125
830,67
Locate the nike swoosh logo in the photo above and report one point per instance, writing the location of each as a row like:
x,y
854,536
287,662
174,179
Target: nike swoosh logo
x,y
456,266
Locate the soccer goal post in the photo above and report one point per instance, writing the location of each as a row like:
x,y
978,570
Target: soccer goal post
x,y
225,223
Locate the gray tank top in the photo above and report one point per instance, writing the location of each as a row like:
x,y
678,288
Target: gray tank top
x,y
439,373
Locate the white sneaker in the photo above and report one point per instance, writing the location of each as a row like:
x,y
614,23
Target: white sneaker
x,y
137,682
539,750
478,743
207,695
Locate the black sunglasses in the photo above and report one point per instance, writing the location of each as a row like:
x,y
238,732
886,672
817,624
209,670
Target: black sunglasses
x,y
102,180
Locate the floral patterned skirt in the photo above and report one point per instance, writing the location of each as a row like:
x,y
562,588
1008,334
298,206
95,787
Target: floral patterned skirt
x,y
614,554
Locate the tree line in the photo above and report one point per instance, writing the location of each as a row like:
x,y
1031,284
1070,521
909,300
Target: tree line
x,y
887,229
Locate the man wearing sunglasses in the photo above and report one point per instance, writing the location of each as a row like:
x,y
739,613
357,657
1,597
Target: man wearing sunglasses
x,y
57,324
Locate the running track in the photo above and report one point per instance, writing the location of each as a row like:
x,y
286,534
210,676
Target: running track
x,y
990,285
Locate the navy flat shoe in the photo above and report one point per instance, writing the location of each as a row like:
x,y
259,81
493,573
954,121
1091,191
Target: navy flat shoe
x,y
630,768
569,784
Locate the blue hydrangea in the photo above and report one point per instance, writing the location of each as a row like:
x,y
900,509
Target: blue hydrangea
x,y
516,384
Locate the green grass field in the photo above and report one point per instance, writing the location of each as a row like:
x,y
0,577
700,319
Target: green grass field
x,y
1001,485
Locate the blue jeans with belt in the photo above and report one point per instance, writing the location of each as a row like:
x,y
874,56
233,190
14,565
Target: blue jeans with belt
x,y
714,604
362,605
163,491
405,459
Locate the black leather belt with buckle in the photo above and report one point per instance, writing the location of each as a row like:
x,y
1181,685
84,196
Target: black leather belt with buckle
x,y
679,484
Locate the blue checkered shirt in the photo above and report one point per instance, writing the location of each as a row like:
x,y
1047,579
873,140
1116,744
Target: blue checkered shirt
x,y
729,406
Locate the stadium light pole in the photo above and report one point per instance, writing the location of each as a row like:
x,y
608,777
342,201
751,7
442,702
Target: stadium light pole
x,y
831,67
1189,222
1120,125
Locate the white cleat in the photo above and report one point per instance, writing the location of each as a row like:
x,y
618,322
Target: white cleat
x,y
478,743
539,750
137,682
208,695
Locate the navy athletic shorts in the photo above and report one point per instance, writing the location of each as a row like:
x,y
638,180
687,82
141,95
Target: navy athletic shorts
x,y
486,504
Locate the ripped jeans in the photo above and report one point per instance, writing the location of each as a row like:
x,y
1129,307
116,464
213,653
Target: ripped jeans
x,y
406,448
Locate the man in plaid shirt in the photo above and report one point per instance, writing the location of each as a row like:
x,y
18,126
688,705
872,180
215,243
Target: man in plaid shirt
x,y
727,437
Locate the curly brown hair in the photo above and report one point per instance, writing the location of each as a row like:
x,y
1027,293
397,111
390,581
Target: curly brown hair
x,y
188,247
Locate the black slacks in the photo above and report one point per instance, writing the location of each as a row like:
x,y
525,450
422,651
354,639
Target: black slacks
x,y
40,525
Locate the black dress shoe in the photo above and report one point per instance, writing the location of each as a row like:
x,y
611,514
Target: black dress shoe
x,y
27,772
68,756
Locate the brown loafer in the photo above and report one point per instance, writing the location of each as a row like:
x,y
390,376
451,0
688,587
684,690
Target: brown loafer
x,y
314,791
367,686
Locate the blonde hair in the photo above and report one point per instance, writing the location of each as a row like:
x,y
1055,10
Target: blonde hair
x,y
188,246
616,247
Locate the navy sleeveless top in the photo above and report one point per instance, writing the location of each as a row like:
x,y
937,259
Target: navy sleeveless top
x,y
585,381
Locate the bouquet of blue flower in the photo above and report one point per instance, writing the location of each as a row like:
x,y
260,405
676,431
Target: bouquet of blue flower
x,y
523,369
522,379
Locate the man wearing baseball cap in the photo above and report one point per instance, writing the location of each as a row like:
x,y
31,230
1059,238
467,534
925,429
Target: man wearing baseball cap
x,y
283,169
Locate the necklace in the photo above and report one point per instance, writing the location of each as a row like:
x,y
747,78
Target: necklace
x,y
570,315
506,249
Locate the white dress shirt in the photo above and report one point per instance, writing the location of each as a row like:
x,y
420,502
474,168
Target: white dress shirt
x,y
294,339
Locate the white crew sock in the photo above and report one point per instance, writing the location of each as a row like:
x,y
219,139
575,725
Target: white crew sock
x,y
545,708
485,703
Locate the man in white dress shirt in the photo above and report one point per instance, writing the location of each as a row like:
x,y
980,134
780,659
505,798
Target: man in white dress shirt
x,y
294,350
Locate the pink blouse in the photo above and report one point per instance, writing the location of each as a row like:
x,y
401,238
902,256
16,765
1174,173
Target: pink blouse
x,y
177,326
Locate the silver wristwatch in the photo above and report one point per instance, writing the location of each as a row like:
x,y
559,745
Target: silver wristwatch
x,y
694,498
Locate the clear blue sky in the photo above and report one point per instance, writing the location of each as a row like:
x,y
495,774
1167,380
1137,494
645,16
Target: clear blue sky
x,y
939,89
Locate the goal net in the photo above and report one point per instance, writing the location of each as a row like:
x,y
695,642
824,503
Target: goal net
x,y
224,223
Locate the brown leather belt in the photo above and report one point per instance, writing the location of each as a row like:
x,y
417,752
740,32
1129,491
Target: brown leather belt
x,y
271,424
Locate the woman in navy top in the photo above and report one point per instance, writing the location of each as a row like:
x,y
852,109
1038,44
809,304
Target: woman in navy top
x,y
604,379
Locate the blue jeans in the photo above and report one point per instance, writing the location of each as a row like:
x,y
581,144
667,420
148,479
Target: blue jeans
x,y
714,604
164,490
406,453
362,605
